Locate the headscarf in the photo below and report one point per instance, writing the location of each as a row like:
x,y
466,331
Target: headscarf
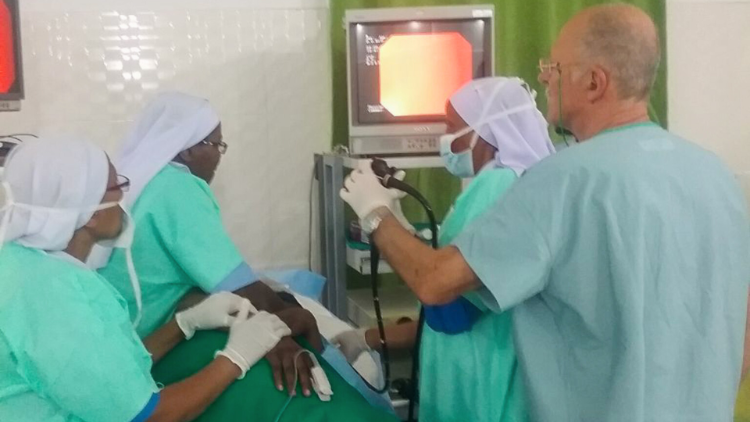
x,y
520,137
52,188
173,122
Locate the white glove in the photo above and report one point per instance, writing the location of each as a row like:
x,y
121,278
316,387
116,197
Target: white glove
x,y
251,339
213,312
364,193
352,343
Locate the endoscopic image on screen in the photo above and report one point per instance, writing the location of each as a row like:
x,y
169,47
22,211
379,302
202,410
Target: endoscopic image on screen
x,y
406,71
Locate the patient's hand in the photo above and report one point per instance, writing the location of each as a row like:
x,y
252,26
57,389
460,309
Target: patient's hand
x,y
281,359
302,323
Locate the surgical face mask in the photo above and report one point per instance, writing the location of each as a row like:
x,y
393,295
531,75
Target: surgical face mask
x,y
462,164
458,164
123,240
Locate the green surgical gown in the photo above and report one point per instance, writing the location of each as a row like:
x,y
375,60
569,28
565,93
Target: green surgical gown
x,y
68,351
180,243
625,259
472,376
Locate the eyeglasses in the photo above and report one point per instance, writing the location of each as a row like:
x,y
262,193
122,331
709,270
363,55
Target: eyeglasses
x,y
221,146
547,65
123,184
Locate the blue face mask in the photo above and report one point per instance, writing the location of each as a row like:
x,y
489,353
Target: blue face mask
x,y
458,164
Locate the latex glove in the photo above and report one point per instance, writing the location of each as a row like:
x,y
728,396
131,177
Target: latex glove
x,y
216,311
250,339
396,210
364,193
352,343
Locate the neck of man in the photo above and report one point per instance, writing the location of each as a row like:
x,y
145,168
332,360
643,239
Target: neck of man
x,y
80,245
604,117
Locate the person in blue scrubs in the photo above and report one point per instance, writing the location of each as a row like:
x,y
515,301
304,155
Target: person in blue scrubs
x,y
68,350
624,258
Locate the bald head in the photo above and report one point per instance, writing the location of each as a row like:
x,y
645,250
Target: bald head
x,y
624,40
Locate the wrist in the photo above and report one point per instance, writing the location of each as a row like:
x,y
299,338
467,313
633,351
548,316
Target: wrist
x,y
236,359
372,220
231,368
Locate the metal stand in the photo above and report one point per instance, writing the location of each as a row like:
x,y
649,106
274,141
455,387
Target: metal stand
x,y
330,171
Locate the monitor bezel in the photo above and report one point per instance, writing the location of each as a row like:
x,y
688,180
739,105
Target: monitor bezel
x,y
353,17
15,16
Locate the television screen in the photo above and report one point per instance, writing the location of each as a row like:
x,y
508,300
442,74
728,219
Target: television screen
x,y
11,81
405,72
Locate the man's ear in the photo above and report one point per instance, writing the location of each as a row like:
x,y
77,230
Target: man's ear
x,y
599,82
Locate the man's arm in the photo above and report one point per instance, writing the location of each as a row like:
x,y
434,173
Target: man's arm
x,y
436,276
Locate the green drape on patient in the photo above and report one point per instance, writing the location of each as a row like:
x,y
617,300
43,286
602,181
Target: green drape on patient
x,y
524,33
255,398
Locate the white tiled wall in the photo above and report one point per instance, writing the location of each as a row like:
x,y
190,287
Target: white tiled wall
x,y
709,64
90,66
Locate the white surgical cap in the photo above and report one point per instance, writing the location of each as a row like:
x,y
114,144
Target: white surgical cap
x,y
170,124
521,137
51,189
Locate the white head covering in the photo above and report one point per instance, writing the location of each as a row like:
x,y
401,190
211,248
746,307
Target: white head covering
x,y
170,124
52,188
519,134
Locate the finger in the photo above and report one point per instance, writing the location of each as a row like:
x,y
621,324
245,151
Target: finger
x,y
279,327
242,312
288,362
315,340
357,175
367,168
239,303
253,309
349,182
275,362
305,375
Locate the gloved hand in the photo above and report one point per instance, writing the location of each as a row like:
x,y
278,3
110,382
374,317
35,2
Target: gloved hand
x,y
352,343
250,339
216,311
364,193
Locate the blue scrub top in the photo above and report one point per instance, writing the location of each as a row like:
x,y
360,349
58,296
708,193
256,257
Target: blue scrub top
x,y
627,259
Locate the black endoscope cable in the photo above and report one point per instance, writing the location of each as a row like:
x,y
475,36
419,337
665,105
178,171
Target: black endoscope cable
x,y
386,174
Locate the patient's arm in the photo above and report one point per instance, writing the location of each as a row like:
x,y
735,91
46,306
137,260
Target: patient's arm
x,y
399,336
188,399
161,341
281,357
263,297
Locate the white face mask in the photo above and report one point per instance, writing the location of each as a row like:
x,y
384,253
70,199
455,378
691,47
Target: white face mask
x,y
461,164
458,164
124,240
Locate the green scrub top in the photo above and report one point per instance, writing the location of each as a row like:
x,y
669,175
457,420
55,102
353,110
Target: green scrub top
x,y
472,376
180,243
626,261
68,351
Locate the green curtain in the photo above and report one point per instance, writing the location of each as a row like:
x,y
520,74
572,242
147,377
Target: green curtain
x,y
524,33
